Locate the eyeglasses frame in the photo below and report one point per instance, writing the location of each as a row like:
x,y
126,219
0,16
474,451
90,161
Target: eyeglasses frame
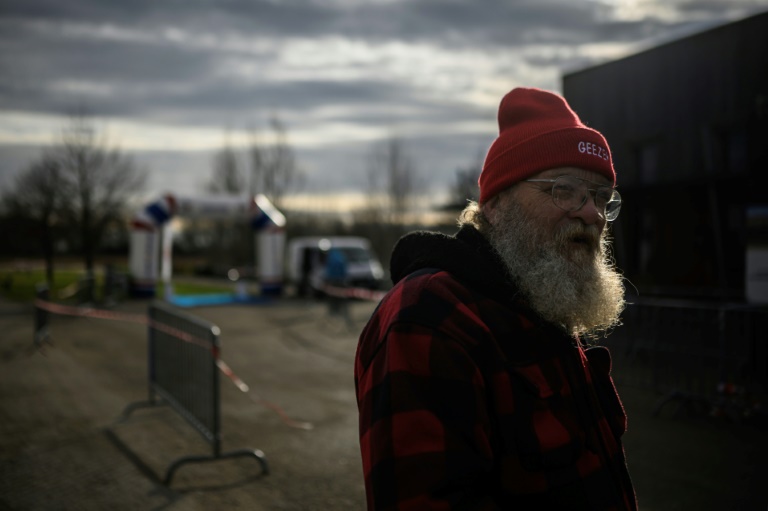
x,y
584,201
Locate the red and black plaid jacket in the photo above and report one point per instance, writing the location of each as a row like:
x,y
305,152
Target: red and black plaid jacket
x,y
468,400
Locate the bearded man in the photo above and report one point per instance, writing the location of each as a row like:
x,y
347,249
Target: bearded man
x,y
475,384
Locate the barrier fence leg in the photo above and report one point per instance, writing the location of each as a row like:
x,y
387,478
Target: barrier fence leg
x,y
42,333
255,453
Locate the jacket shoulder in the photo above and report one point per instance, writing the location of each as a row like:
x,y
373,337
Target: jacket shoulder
x,y
429,298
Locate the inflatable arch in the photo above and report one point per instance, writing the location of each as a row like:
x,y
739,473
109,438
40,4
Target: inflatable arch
x,y
151,238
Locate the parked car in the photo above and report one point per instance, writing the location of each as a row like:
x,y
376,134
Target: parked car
x,y
306,263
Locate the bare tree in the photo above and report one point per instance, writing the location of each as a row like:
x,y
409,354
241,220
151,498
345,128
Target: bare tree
x,y
274,171
392,180
227,177
230,242
465,186
38,193
100,179
257,156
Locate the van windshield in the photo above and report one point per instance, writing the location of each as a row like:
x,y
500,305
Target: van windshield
x,y
355,254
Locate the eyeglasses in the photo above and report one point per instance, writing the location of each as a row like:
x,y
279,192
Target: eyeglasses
x,y
569,193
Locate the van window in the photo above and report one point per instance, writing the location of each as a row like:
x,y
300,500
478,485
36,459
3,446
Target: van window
x,y
355,254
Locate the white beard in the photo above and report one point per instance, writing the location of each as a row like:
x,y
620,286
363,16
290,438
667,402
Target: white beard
x,y
569,280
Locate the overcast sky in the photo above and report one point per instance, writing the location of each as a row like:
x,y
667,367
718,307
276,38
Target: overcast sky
x,y
170,80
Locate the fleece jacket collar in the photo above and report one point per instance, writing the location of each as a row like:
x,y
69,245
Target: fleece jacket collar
x,y
467,256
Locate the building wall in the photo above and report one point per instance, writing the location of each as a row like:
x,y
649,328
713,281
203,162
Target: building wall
x,y
687,123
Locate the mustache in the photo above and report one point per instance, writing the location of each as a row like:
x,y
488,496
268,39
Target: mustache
x,y
588,234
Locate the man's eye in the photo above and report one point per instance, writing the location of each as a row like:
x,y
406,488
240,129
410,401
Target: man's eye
x,y
603,196
563,190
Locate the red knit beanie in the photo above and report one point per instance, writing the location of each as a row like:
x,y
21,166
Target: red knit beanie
x,y
539,131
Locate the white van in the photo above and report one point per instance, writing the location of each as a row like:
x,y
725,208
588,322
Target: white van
x,y
306,262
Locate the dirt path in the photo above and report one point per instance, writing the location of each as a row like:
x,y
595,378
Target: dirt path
x,y
61,447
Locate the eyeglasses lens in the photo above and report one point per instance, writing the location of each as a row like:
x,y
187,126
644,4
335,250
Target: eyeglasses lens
x,y
570,193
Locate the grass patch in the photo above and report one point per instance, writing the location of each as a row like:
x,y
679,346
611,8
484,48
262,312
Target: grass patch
x,y
20,285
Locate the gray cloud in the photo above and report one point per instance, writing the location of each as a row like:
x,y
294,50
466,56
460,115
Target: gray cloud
x,y
412,67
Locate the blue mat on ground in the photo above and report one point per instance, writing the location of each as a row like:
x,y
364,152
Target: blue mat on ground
x,y
215,299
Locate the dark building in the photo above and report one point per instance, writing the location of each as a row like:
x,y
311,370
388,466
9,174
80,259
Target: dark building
x,y
687,122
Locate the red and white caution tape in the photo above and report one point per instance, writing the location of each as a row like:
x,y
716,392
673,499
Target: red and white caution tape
x,y
142,319
90,312
240,384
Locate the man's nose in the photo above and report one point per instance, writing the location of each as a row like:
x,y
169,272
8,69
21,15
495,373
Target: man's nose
x,y
589,213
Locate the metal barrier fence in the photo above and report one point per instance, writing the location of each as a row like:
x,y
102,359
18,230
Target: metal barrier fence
x,y
183,372
710,356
